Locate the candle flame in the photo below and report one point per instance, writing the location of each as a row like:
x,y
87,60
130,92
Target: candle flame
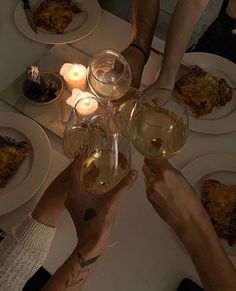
x,y
76,70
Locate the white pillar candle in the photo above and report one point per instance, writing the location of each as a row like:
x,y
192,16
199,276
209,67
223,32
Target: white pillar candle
x,y
86,102
74,76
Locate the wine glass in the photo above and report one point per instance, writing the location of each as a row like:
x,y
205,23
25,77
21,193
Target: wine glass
x,y
77,124
159,128
106,153
126,105
109,75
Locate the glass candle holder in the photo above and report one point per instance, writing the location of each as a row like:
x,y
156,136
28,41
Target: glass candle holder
x,y
77,124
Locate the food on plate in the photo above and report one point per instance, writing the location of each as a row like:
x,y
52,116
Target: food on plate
x,y
12,154
41,87
55,15
219,200
202,91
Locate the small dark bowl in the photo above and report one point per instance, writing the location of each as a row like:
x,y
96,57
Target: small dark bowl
x,y
49,92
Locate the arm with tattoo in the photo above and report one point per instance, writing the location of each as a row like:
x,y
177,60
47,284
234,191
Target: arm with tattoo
x,y
93,218
75,271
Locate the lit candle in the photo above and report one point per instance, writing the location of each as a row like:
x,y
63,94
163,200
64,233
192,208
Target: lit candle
x,y
74,76
86,103
87,106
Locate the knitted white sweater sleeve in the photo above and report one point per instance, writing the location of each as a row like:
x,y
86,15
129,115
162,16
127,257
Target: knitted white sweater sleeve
x,y
22,253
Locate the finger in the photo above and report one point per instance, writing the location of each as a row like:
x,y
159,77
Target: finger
x,y
124,185
157,165
90,176
148,173
149,176
77,164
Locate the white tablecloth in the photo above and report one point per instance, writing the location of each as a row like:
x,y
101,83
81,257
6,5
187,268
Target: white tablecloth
x,y
147,255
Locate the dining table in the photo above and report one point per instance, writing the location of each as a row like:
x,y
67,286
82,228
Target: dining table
x,y
144,253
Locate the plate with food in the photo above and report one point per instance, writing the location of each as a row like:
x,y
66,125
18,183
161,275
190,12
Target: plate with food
x,y
214,179
57,21
25,157
208,89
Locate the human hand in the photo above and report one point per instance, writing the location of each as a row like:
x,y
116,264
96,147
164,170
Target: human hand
x,y
172,196
94,215
52,203
136,61
167,79
160,83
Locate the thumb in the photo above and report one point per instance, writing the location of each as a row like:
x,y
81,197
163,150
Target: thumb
x,y
119,191
77,165
157,166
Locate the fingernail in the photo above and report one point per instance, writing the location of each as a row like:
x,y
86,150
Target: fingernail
x,y
133,174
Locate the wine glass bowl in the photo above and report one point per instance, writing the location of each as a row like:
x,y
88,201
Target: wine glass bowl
x,y
105,163
109,75
76,127
159,128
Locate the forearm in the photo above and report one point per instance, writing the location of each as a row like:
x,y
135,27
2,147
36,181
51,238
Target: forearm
x,y
212,264
144,19
74,272
184,18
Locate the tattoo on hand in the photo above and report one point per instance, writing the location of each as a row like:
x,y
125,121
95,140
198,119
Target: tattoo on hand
x,y
89,213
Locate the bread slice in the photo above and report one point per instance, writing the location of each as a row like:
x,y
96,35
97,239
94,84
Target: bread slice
x,y
12,154
219,200
202,91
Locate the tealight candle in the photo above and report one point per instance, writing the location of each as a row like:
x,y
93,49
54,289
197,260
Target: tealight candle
x,y
87,106
86,103
74,76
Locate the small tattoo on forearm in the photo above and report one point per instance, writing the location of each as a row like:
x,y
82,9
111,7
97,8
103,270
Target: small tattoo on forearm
x,y
89,213
81,275
84,263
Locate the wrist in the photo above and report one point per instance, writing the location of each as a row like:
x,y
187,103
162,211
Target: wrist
x,y
143,44
166,80
46,217
91,248
139,52
196,230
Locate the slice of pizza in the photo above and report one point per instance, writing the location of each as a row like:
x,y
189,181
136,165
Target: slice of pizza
x,y
12,154
53,15
202,91
219,200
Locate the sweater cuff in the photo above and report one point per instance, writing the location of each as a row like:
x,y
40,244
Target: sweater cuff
x,y
34,234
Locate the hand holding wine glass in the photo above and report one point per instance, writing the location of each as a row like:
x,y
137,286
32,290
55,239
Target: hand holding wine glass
x,y
159,127
94,216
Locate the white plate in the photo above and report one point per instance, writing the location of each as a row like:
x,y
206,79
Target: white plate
x,y
33,171
223,119
221,167
82,24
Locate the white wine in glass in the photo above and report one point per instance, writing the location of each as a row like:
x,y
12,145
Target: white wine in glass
x,y
107,163
159,129
103,170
